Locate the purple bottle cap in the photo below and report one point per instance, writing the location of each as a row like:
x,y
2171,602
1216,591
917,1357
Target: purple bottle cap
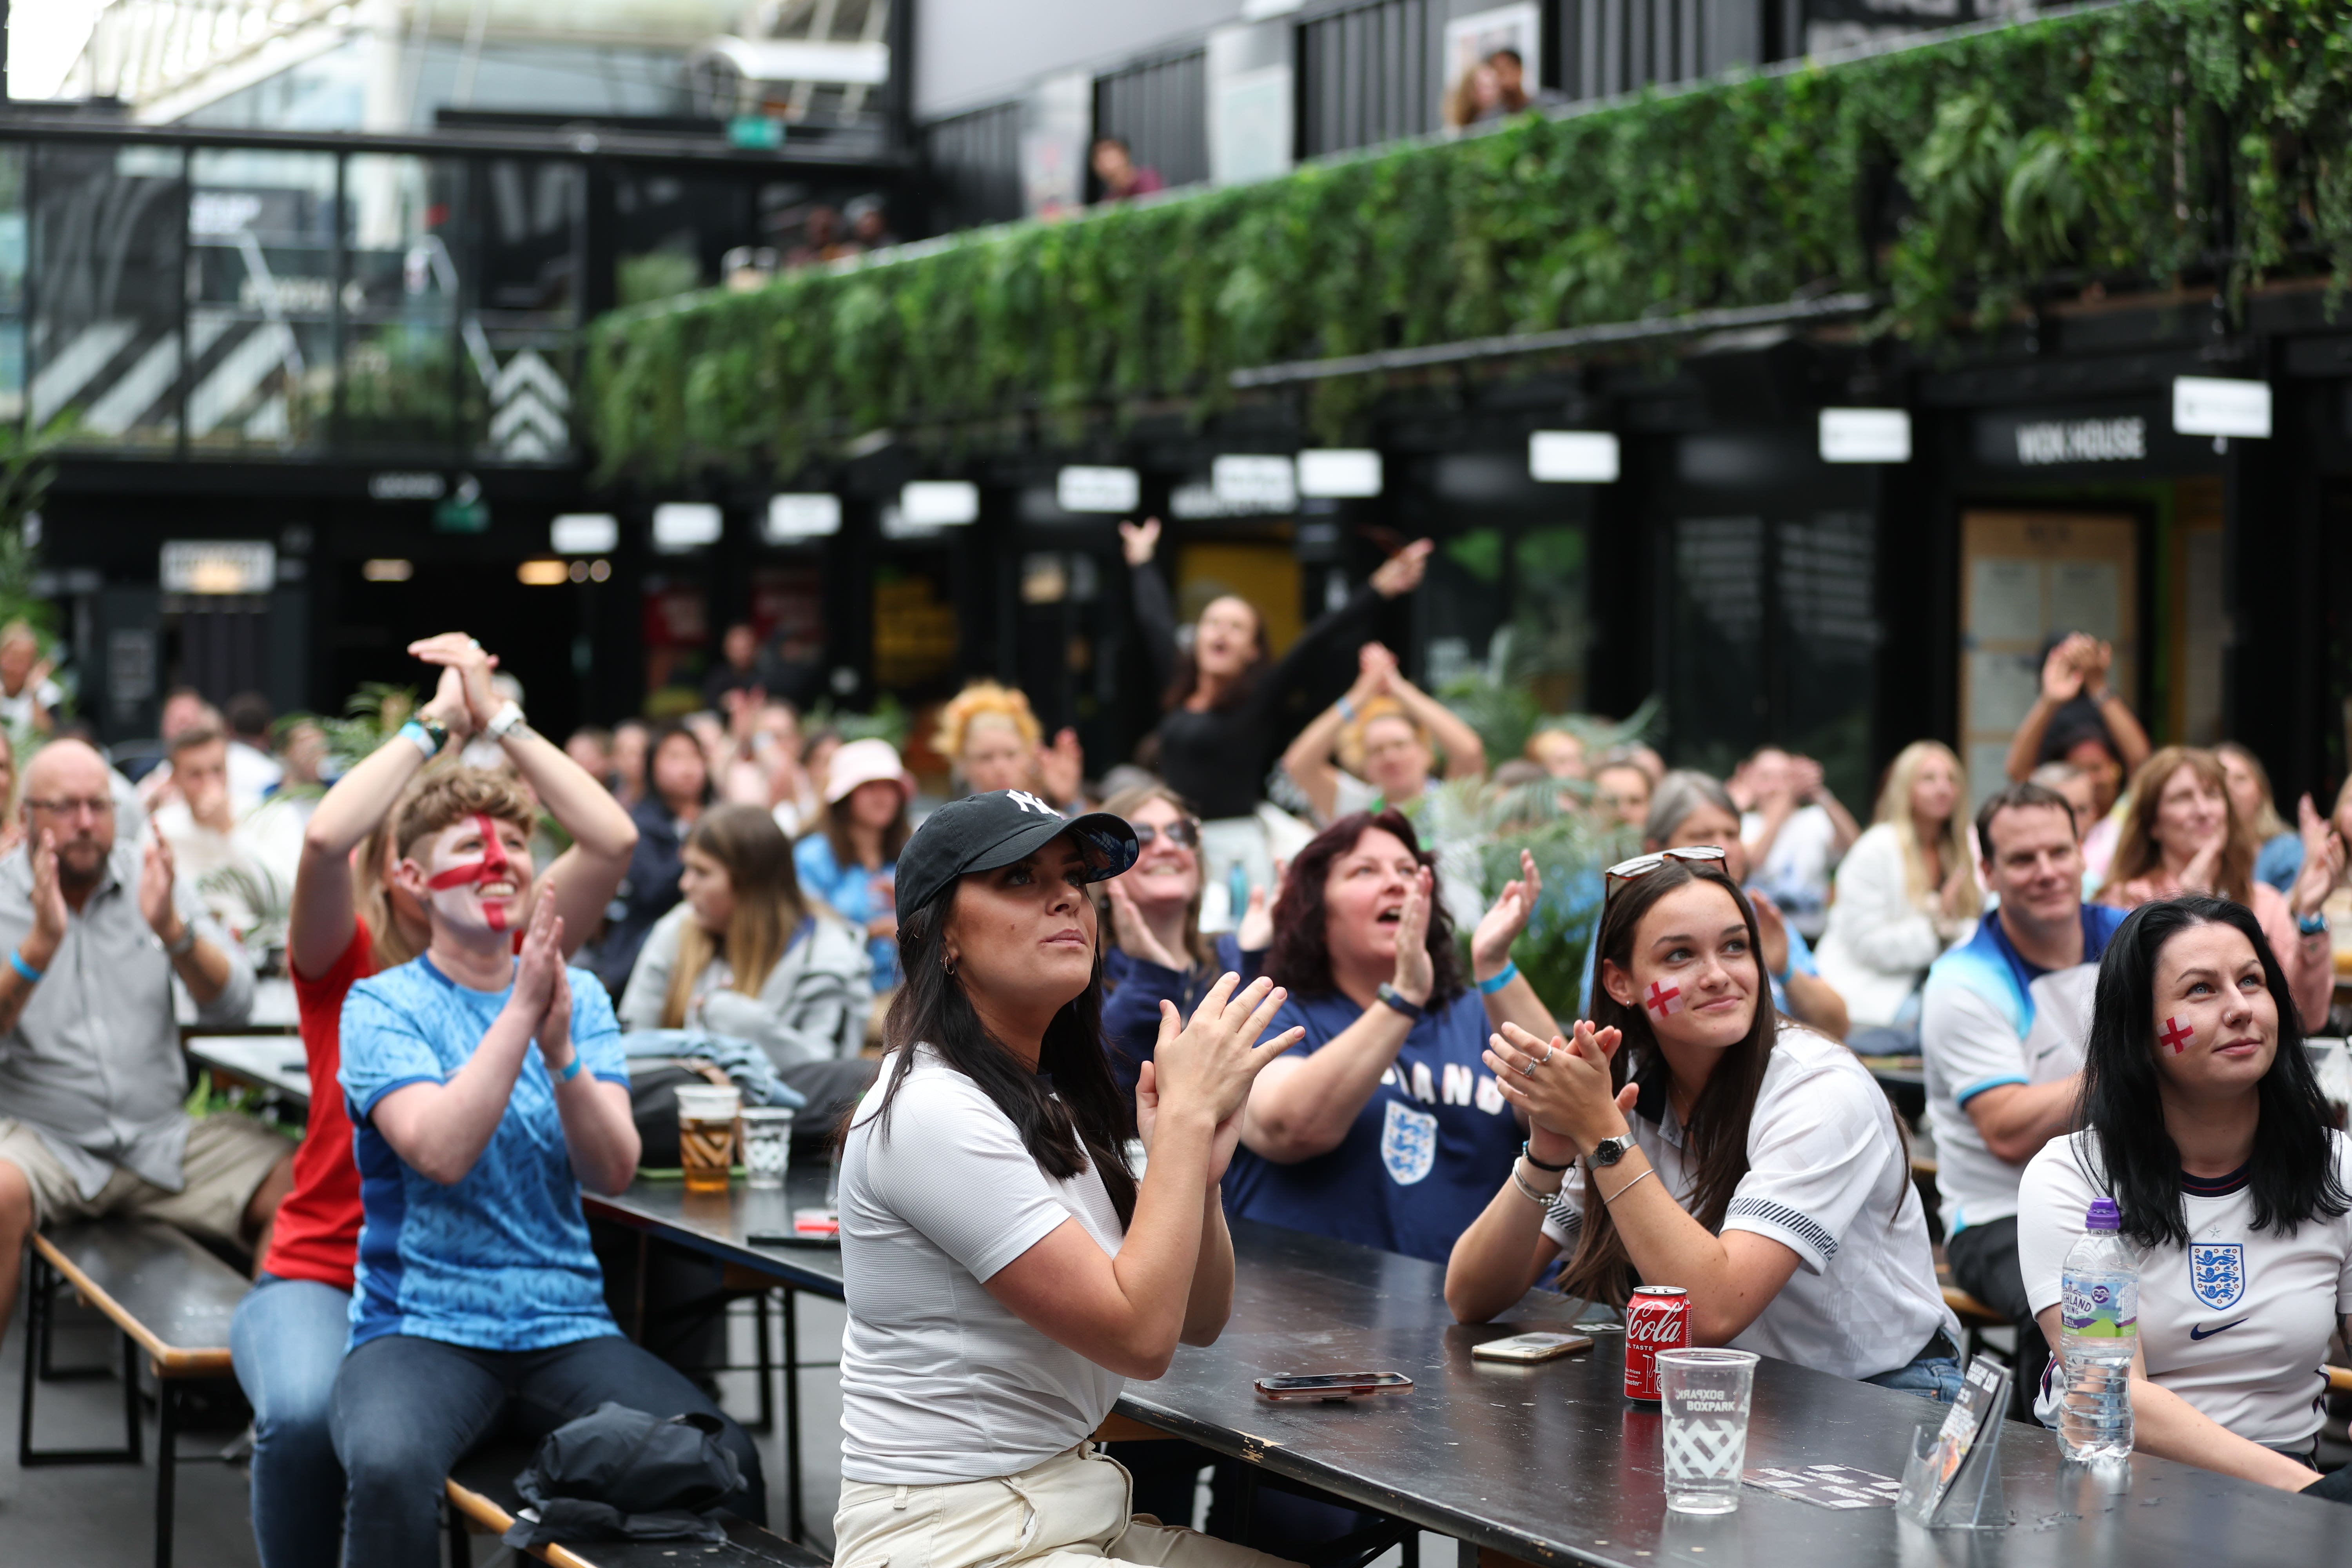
x,y
2104,1215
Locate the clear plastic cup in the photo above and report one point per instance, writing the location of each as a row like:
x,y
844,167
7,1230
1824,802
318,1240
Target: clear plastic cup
x,y
1704,1394
767,1145
706,1134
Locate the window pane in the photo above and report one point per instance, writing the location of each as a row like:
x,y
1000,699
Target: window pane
x,y
14,161
1715,685
261,286
409,384
1828,638
526,302
106,247
1550,618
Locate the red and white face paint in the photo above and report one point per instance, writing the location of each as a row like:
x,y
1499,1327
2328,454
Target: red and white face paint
x,y
1662,1000
2177,1035
495,867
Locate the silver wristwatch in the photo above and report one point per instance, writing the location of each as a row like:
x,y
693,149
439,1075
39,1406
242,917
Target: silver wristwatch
x,y
1609,1150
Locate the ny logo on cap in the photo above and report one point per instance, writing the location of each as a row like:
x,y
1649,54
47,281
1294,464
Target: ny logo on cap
x,y
1027,802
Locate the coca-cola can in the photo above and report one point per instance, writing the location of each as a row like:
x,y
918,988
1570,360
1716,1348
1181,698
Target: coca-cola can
x,y
1657,1318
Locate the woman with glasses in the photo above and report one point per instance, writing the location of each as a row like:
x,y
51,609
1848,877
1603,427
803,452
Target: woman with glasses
x,y
1380,1127
1161,953
1783,1198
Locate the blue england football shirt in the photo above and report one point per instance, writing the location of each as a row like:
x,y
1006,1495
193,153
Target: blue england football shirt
x,y
501,1260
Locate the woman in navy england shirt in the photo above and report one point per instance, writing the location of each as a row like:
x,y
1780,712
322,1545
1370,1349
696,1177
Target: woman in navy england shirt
x,y
1382,1126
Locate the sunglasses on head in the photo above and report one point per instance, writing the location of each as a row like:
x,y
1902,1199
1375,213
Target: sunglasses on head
x,y
1184,833
1643,865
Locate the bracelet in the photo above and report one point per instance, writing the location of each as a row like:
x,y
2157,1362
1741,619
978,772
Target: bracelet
x,y
421,738
1509,972
184,943
1527,1152
1347,709
2312,925
1541,1200
1611,1197
1396,999
572,1072
506,719
16,962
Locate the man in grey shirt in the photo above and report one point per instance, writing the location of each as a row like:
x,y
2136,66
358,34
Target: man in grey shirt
x,y
91,1078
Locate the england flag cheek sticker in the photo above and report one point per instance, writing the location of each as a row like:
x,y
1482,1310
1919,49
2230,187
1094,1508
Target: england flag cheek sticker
x,y
1664,1001
2177,1035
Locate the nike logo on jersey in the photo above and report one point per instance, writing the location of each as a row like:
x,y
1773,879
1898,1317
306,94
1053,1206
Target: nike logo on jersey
x,y
2200,1333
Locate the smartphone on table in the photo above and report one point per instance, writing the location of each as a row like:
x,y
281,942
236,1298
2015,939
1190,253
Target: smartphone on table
x,y
1531,1347
1332,1386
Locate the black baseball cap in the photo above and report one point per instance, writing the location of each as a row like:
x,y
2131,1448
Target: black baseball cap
x,y
983,832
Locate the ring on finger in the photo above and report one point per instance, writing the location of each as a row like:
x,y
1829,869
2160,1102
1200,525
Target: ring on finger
x,y
1529,1066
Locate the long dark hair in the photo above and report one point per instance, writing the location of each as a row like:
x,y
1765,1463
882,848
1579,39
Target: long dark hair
x,y
1069,1112
1599,1270
1301,959
1187,676
2292,1173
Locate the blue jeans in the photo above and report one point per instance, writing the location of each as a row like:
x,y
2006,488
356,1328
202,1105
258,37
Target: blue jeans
x,y
1935,1377
287,1341
407,1409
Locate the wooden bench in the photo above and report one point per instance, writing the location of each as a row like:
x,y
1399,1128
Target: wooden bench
x,y
168,1297
483,1501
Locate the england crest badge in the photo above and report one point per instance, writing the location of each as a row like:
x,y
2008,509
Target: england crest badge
x,y
2217,1273
1408,1144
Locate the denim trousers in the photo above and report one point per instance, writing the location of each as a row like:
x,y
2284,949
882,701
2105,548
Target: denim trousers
x,y
287,1341
1935,1377
407,1409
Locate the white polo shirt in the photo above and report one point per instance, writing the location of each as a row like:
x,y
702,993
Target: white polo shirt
x,y
2236,1322
939,1381
1969,1043
1827,1178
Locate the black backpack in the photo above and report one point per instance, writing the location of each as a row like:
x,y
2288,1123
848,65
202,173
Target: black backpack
x,y
622,1475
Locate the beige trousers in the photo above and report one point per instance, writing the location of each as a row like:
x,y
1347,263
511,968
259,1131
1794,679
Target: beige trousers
x,y
1072,1511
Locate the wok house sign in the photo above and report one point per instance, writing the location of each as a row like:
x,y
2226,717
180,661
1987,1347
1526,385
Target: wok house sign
x,y
2080,438
2040,442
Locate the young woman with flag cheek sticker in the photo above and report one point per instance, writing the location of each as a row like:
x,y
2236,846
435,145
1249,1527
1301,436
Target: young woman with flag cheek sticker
x,y
1686,1136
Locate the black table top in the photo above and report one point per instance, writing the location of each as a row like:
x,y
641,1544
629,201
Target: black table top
x,y
722,1224
1549,1463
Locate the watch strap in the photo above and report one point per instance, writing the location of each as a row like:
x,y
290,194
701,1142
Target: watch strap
x,y
1609,1150
1397,999
508,718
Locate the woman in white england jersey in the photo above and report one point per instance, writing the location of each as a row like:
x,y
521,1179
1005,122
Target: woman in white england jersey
x,y
2203,1121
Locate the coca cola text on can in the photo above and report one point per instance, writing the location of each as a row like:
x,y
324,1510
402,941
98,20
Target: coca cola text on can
x,y
1657,1318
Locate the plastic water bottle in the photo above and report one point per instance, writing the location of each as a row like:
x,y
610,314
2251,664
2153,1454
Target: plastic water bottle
x,y
2098,1315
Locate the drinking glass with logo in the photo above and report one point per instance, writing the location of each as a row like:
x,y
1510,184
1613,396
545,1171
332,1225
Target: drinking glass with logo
x,y
1706,1393
767,1145
707,1114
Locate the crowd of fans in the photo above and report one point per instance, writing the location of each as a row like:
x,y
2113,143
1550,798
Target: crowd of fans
x,y
1313,1014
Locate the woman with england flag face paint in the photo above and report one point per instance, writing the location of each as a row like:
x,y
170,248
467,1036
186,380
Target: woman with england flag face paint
x,y
2203,1121
348,921
1749,1161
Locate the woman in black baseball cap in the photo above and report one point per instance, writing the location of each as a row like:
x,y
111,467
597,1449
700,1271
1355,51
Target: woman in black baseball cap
x,y
1005,1269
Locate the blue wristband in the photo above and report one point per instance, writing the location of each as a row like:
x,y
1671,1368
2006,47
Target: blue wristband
x,y
568,1074
422,738
16,962
1510,972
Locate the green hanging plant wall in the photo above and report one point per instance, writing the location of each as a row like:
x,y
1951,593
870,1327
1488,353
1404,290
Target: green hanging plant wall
x,y
2139,144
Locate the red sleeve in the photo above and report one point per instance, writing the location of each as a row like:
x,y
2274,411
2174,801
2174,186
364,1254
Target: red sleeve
x,y
327,992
